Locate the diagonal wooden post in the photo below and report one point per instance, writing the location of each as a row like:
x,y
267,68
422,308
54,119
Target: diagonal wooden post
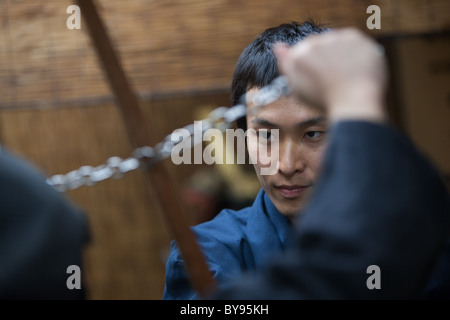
x,y
140,134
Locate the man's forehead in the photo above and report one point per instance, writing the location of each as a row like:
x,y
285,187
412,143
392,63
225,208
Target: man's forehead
x,y
287,105
298,122
251,93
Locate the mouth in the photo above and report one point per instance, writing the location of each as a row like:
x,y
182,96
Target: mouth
x,y
291,191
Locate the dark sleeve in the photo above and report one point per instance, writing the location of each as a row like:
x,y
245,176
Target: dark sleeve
x,y
177,285
223,259
378,202
41,235
438,286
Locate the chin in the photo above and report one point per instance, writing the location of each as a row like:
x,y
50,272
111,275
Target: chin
x,y
290,213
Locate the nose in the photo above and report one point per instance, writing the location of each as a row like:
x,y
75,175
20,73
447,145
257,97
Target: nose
x,y
290,159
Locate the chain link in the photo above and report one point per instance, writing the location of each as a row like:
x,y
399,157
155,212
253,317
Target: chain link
x,y
145,157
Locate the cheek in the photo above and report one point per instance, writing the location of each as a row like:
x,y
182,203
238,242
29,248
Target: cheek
x,y
263,155
264,180
252,148
315,157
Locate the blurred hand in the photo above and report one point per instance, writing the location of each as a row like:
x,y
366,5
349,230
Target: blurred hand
x,y
343,71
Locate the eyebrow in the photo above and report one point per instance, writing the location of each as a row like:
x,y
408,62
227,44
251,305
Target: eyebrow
x,y
303,124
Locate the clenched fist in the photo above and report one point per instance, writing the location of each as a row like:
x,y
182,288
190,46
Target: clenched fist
x,y
343,71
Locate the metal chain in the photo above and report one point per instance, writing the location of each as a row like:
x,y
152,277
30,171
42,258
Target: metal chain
x,y
145,157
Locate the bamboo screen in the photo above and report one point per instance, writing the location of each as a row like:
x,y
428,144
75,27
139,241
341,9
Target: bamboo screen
x,y
57,110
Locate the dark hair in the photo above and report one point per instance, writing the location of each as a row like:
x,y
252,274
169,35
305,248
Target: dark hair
x,y
257,65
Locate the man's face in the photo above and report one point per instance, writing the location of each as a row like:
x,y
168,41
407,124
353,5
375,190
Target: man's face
x,y
301,144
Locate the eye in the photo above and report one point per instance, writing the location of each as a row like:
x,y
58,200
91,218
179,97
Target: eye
x,y
314,135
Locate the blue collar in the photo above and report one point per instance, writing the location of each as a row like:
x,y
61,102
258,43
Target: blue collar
x,y
267,230
281,224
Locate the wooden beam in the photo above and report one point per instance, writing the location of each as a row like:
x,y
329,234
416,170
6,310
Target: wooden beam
x,y
140,134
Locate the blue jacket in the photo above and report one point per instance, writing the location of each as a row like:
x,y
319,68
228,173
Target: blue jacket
x,y
233,242
378,202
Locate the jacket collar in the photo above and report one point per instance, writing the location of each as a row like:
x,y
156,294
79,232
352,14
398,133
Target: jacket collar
x,y
281,223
